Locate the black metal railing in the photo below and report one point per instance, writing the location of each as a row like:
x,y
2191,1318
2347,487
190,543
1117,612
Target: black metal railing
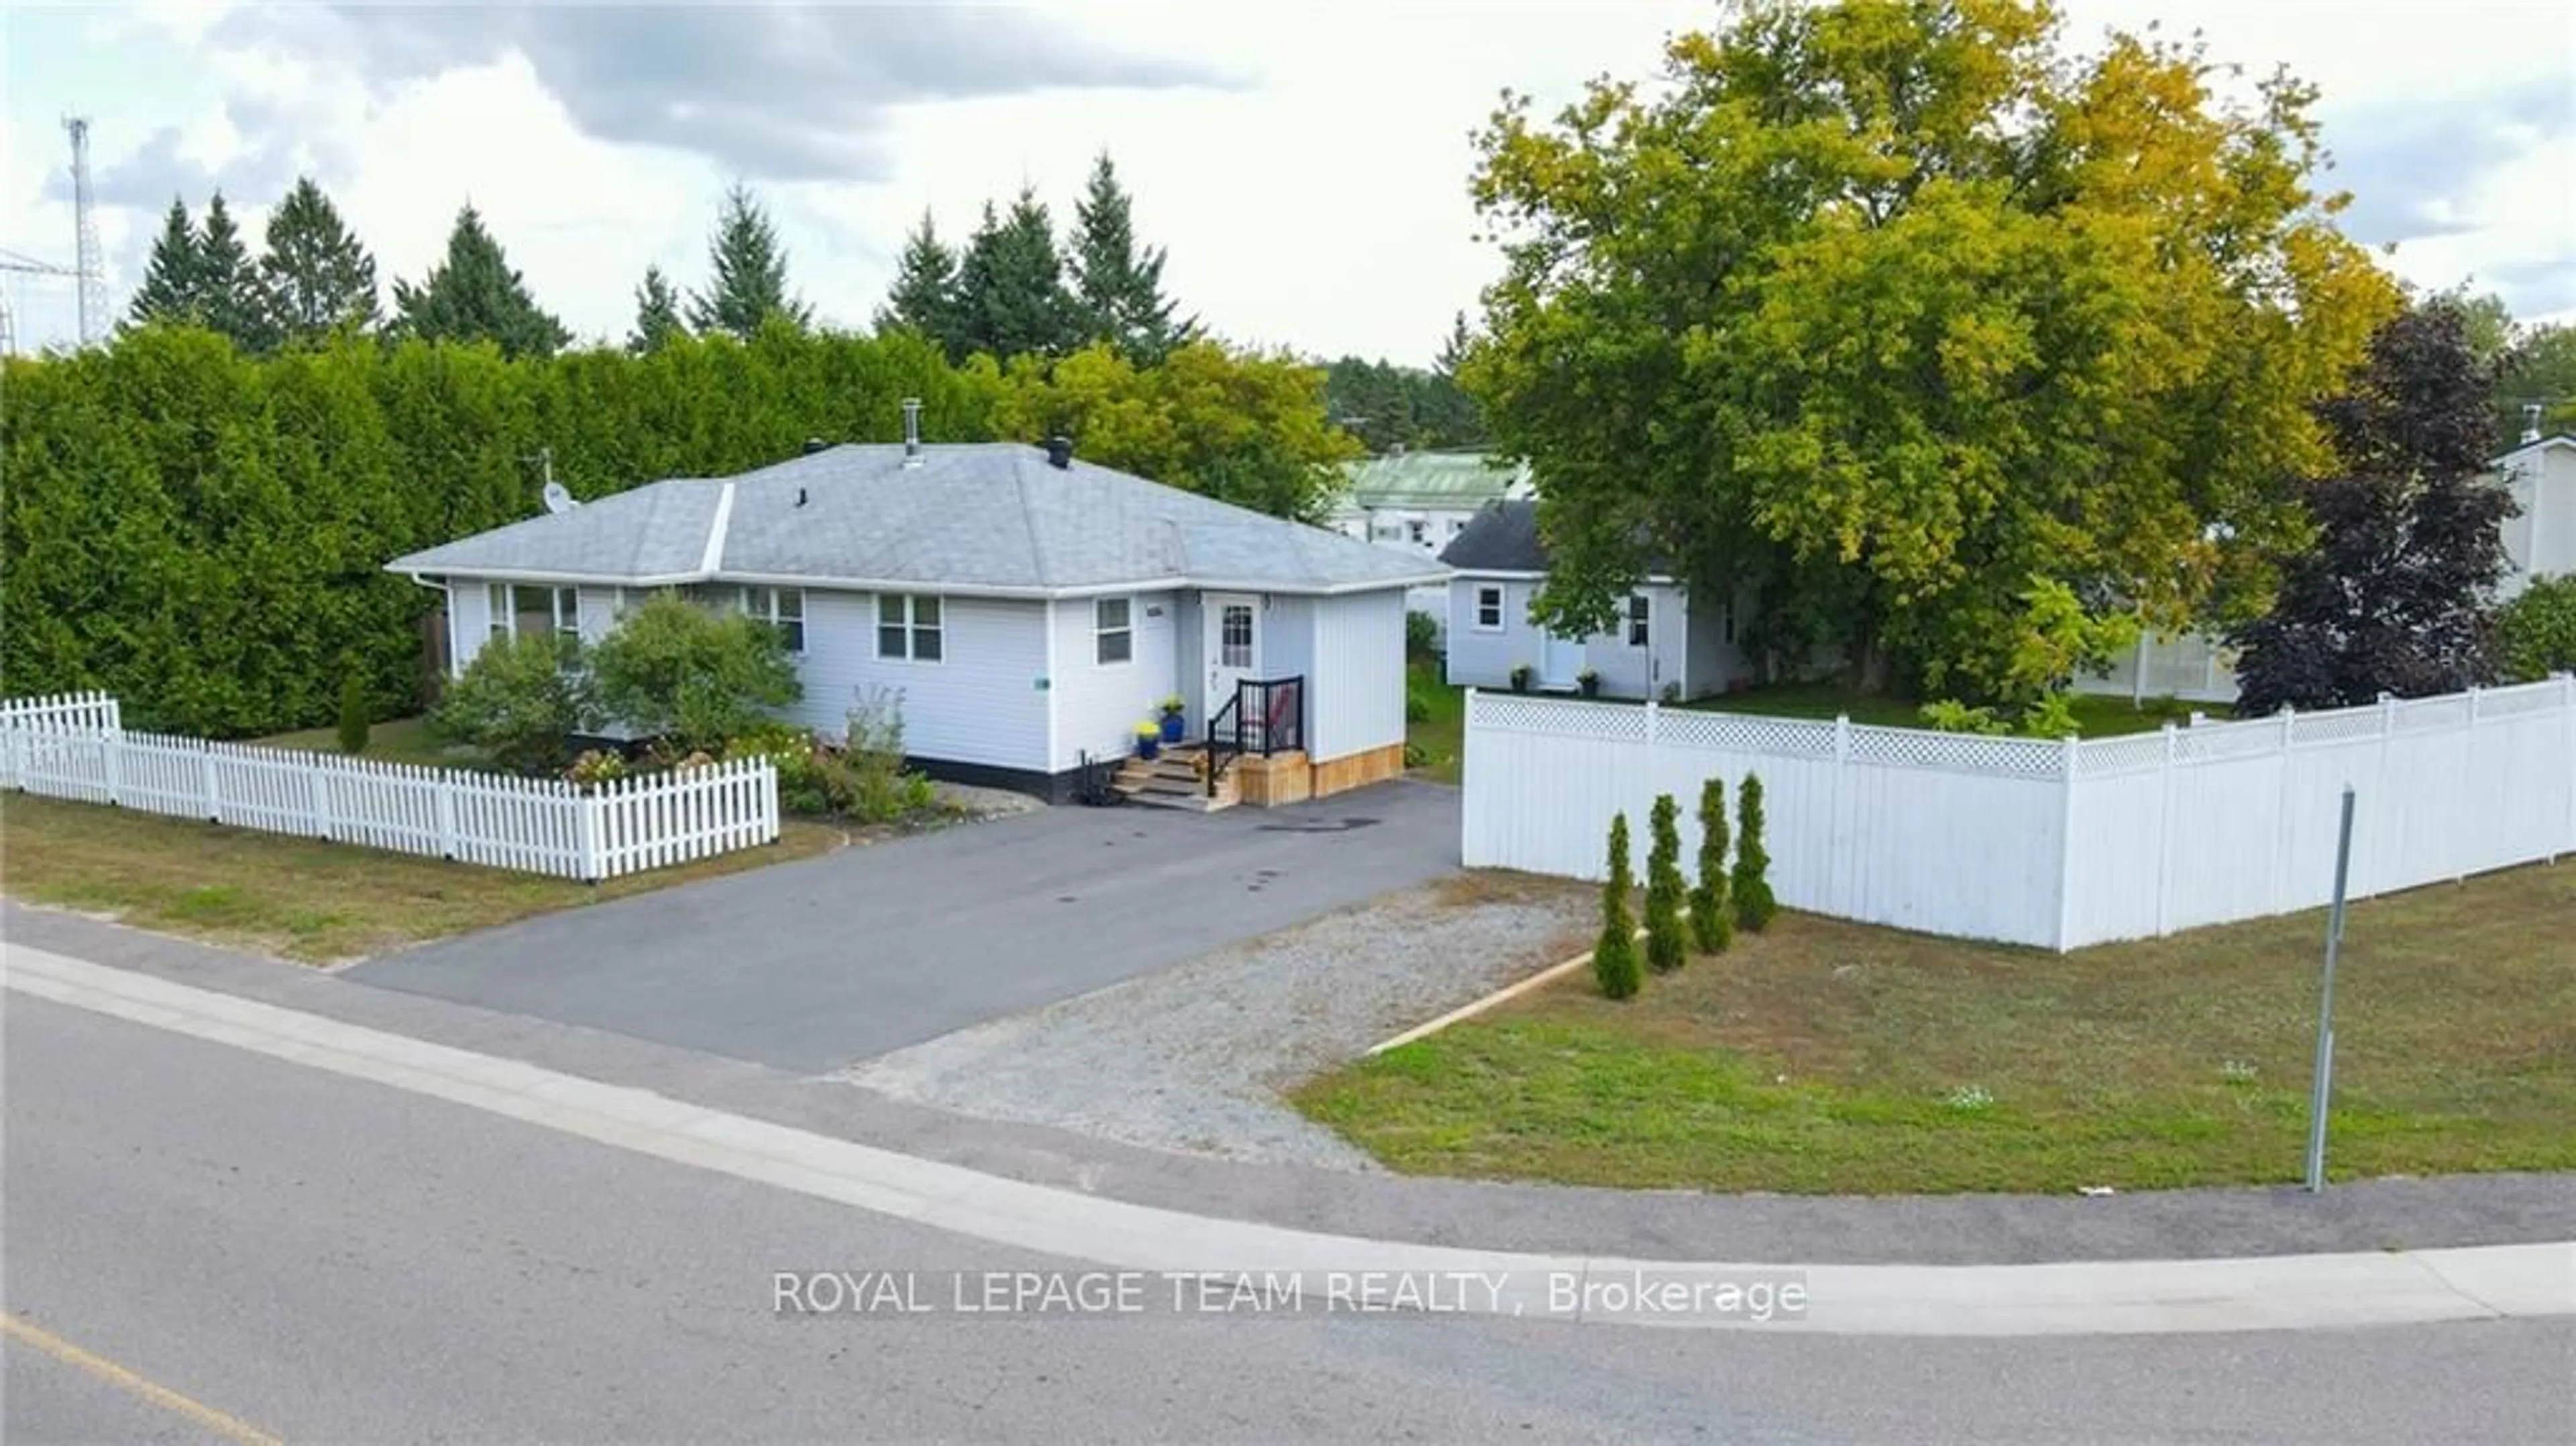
x,y
1265,716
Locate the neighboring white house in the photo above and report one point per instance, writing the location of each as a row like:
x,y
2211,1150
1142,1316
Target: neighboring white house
x,y
1662,644
1029,608
2540,541
1418,502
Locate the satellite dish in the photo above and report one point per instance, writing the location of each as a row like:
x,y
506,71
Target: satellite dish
x,y
557,499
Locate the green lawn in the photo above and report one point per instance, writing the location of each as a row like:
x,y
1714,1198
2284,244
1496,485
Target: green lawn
x,y
2100,716
398,740
1441,732
1826,1056
296,898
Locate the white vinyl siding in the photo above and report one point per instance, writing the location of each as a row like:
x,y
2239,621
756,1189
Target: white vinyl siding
x,y
1480,659
1354,674
980,704
1098,705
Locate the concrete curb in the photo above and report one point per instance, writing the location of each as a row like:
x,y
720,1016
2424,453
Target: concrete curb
x,y
2116,1297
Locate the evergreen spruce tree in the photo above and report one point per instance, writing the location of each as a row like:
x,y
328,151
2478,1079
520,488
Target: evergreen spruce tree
x,y
1614,958
1667,943
230,298
924,295
169,291
1754,905
1712,913
315,278
749,266
353,711
1011,297
473,295
1118,285
657,314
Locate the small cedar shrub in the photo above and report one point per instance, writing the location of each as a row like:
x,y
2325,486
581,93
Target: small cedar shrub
x,y
353,714
1712,906
1754,905
1614,958
1667,945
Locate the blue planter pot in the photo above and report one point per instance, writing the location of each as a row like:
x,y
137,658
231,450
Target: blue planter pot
x,y
1171,727
1148,748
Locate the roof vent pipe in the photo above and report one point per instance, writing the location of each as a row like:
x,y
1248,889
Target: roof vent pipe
x,y
1060,452
2530,423
912,431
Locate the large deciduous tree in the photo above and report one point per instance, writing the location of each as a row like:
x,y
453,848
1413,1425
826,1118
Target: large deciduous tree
x,y
169,289
2395,595
748,272
1011,296
315,276
473,295
1898,313
1117,283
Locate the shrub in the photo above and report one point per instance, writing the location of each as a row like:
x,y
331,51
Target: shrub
x,y
1949,715
696,675
1522,674
519,701
597,765
1751,885
353,714
2052,716
1415,755
1417,709
869,767
1614,958
1712,917
1670,695
2536,632
1421,634
1667,946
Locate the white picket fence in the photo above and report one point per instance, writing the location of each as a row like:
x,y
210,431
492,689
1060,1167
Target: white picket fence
x,y
72,747
2057,844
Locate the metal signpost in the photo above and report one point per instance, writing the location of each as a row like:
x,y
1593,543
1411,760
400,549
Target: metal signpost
x,y
2324,1084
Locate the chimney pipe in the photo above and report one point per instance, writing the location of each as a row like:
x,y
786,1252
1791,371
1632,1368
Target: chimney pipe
x,y
1060,452
2530,422
912,431
814,445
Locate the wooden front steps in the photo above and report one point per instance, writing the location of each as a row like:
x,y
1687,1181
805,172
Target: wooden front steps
x,y
1175,779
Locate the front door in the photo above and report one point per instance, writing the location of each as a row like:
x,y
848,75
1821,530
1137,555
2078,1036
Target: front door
x,y
1232,645
1560,660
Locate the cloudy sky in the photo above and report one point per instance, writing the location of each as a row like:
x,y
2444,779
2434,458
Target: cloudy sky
x,y
1304,162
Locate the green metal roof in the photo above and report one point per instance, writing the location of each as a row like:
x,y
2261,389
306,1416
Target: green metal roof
x,y
1433,479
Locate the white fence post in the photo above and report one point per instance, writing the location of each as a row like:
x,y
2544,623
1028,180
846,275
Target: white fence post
x,y
321,802
111,761
206,771
594,860
2065,844
446,816
2165,833
1836,799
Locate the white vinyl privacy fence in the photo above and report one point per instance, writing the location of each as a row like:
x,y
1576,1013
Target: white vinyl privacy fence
x,y
2057,844
73,747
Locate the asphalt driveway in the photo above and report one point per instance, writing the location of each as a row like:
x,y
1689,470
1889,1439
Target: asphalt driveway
x,y
811,965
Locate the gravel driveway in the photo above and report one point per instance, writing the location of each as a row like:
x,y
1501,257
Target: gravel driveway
x,y
1196,1057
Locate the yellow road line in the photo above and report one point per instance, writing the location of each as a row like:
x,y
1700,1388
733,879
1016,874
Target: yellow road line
x,y
231,1428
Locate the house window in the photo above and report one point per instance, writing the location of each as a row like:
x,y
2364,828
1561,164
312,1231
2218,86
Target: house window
x,y
1234,636
908,627
532,611
1489,607
782,608
1113,629
1638,620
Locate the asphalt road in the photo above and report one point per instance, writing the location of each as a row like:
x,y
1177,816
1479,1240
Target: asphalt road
x,y
809,966
322,1259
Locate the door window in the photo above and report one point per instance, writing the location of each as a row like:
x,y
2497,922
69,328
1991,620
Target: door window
x,y
1234,636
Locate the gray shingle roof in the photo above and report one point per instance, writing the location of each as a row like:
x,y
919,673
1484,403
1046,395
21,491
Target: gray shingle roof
x,y
986,516
1501,537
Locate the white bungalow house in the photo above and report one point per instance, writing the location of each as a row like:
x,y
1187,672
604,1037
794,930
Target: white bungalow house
x,y
1029,608
2539,541
1666,643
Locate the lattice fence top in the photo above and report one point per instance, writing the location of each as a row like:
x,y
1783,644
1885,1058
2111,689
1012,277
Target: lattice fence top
x,y
1967,752
2008,757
